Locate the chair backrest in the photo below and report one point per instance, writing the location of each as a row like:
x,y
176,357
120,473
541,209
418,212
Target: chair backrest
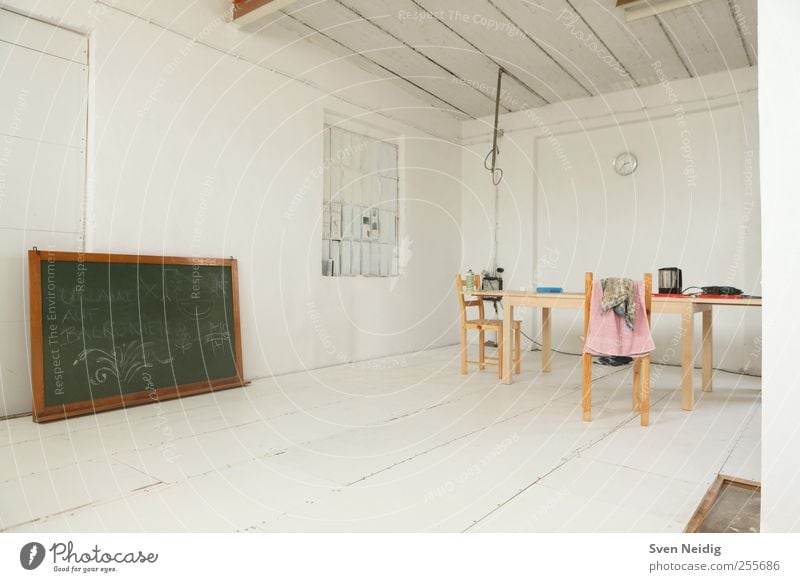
x,y
464,303
587,300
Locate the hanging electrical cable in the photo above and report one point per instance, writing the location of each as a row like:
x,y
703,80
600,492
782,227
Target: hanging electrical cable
x,y
497,173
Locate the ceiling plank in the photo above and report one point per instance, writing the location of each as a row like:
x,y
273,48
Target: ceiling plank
x,y
744,13
638,45
367,40
415,26
311,35
480,23
571,41
382,20
706,36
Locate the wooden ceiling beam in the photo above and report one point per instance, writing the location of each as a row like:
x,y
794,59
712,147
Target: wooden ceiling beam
x,y
636,9
248,11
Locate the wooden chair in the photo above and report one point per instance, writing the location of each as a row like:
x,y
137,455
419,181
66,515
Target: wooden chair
x,y
482,325
641,365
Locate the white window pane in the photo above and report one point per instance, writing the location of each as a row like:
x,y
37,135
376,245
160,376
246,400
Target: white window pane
x,y
345,258
388,160
354,152
335,182
387,226
386,259
326,255
357,192
345,188
326,182
336,221
365,258
355,262
336,144
374,185
374,259
361,184
335,257
374,224
347,221
369,157
388,193
326,221
365,224
343,152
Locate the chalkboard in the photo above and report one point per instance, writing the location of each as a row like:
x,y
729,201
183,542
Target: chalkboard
x,y
109,331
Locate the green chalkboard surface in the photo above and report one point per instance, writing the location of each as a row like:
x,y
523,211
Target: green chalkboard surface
x,y
114,330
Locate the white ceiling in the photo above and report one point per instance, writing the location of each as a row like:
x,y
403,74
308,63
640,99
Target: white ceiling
x,y
447,52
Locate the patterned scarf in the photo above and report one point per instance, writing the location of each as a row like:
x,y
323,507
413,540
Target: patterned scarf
x,y
618,295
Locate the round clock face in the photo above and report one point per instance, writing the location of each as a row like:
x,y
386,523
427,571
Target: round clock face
x,y
625,164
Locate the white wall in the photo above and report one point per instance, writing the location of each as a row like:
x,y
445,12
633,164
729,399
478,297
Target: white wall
x,y
43,89
693,202
779,94
198,153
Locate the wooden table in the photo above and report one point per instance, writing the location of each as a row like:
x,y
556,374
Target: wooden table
x,y
686,307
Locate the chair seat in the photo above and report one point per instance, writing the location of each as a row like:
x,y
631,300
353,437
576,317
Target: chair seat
x,y
489,323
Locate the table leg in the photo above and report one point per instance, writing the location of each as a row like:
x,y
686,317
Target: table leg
x,y
687,361
508,320
547,340
708,351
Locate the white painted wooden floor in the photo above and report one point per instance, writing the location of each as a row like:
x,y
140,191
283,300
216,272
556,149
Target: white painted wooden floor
x,y
402,444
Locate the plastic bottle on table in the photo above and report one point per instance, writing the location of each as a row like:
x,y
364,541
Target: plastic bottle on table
x,y
470,281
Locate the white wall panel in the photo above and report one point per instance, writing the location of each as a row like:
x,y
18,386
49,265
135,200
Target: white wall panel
x,y
43,113
43,186
43,37
43,97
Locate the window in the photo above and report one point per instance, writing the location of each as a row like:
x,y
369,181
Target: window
x,y
360,206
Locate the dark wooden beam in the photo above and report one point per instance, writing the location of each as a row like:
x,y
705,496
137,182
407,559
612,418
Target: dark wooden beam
x,y
246,11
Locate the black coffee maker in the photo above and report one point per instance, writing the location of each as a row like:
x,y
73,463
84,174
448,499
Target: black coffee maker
x,y
670,280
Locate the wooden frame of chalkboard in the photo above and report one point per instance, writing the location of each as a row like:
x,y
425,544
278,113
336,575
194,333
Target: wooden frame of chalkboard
x,y
47,332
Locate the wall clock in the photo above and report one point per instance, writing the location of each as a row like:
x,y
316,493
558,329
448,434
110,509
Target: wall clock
x,y
625,164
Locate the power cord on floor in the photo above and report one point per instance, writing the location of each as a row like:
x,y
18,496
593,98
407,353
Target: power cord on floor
x,y
534,342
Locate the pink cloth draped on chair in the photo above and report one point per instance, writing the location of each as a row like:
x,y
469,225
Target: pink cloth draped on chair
x,y
609,336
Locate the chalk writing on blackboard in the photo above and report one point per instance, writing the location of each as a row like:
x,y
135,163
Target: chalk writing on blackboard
x,y
123,364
